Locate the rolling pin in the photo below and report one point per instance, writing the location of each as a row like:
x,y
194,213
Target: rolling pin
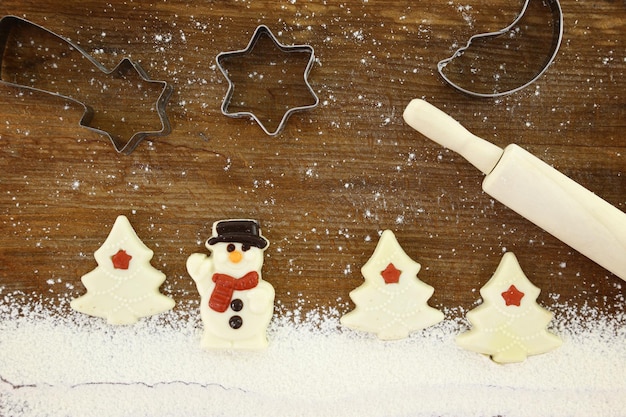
x,y
533,189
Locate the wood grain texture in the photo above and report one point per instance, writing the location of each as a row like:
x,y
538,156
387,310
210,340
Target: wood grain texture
x,y
336,176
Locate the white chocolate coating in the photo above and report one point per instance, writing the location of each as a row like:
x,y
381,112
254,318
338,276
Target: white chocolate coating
x,y
123,294
388,308
253,308
506,331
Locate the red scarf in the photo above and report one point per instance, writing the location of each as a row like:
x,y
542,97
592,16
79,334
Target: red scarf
x,y
225,285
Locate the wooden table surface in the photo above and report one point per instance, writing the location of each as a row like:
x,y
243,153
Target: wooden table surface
x,y
337,175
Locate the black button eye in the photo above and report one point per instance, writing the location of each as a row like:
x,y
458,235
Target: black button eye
x,y
230,247
245,247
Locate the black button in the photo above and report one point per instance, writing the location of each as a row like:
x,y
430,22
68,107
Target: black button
x,y
235,322
236,304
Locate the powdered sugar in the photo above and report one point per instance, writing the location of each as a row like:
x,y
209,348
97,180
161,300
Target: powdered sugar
x,y
56,362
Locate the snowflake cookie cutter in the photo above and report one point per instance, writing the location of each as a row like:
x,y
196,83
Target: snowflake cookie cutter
x,y
9,25
260,31
557,21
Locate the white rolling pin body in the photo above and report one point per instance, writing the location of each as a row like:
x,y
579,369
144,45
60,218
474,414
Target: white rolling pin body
x,y
561,207
534,189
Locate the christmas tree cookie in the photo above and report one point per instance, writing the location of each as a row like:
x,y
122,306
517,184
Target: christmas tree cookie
x,y
124,286
509,325
392,302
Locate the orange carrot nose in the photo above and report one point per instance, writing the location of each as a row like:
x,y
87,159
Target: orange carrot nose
x,y
235,256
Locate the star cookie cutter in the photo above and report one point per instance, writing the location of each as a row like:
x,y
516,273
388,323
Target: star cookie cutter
x,y
8,27
260,31
557,21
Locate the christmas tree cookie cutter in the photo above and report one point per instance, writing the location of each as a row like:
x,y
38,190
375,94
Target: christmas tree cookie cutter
x,y
261,31
557,24
40,79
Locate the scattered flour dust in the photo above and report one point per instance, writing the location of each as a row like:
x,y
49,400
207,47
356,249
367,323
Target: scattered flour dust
x,y
56,362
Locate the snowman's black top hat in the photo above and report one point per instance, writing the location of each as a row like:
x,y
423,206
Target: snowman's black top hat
x,y
238,231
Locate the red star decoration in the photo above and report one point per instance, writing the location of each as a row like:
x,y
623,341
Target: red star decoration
x,y
391,274
512,296
121,259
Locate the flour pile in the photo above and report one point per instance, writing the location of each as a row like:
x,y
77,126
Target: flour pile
x,y
56,362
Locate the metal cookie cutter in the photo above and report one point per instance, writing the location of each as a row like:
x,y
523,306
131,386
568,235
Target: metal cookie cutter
x,y
557,20
39,75
263,30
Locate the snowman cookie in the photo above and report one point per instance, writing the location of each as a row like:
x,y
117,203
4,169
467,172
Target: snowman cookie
x,y
236,303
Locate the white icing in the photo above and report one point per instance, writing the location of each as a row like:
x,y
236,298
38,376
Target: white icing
x,y
391,310
509,333
122,296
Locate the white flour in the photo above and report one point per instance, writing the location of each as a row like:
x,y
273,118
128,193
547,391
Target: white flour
x,y
56,362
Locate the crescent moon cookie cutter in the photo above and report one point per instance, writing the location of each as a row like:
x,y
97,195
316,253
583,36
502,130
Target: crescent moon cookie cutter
x,y
260,31
36,76
557,24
